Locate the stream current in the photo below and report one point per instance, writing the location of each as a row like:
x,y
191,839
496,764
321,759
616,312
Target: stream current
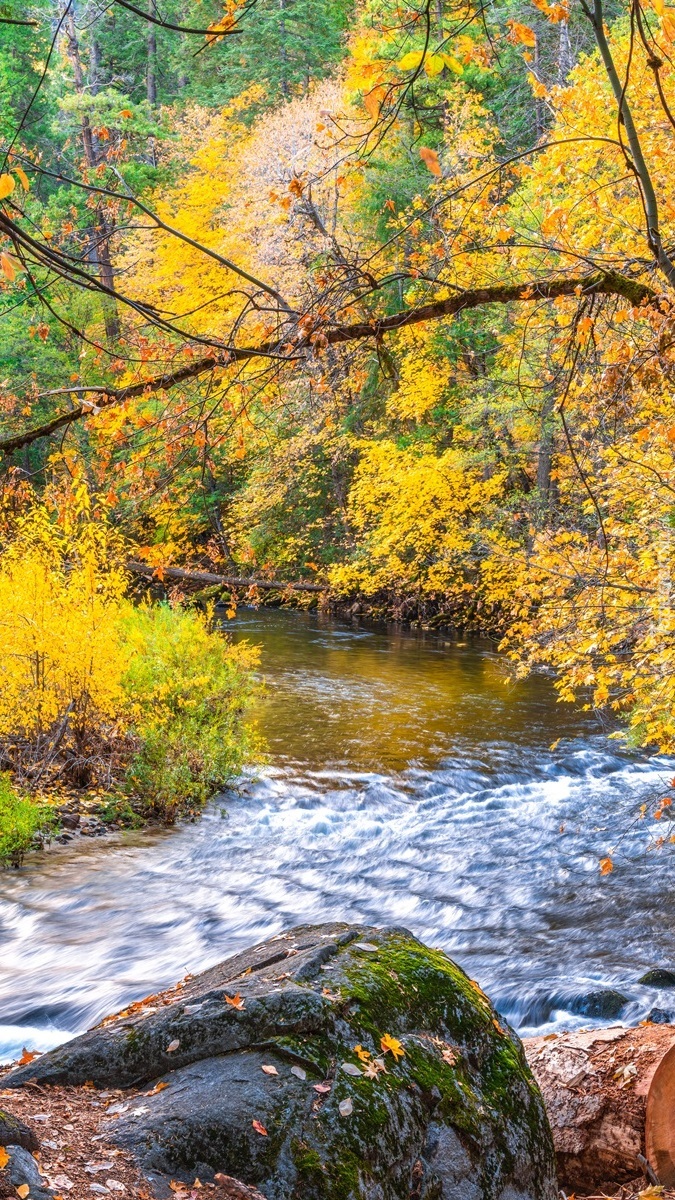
x,y
409,781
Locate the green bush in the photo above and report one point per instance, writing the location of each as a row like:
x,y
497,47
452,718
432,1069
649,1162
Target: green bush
x,y
188,688
20,820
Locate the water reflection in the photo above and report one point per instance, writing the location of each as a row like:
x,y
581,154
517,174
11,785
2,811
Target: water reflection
x,y
409,782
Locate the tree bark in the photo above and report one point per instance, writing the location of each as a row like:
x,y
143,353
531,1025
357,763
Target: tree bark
x,y
609,1097
100,250
151,74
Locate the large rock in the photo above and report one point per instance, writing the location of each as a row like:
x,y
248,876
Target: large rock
x,y
456,1114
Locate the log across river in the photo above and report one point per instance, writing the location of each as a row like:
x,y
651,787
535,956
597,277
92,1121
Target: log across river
x,y
408,782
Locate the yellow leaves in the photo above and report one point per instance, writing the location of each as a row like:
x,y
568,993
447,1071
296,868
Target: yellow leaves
x,y
434,64
363,1054
23,178
7,186
538,88
410,61
668,25
606,866
521,34
22,1191
392,1045
4,1157
430,159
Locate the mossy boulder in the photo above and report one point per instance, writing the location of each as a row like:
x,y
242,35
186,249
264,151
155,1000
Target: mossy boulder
x,y
335,1062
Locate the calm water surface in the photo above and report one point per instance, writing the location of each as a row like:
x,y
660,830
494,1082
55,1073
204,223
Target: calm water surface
x,y
409,782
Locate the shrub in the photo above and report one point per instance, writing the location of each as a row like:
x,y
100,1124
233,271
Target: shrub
x,y
188,689
146,703
21,818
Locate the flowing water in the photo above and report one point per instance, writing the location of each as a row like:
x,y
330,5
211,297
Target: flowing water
x,y
408,782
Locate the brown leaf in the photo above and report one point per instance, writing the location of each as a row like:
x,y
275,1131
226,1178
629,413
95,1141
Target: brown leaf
x,y
259,1128
269,1069
234,1001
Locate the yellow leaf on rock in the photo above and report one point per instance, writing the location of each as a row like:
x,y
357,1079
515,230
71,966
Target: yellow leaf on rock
x,y
23,1190
606,866
393,1045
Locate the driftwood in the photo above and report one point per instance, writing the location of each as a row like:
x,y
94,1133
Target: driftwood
x,y
610,1099
207,578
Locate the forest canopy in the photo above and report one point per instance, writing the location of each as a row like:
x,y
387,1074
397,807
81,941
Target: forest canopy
x,y
373,295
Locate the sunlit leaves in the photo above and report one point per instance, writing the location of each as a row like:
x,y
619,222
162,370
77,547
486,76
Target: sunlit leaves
x,y
7,186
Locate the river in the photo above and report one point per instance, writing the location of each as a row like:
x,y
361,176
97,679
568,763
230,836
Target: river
x,y
409,781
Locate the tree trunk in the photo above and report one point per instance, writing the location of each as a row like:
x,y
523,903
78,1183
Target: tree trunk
x,y
103,230
151,74
609,1095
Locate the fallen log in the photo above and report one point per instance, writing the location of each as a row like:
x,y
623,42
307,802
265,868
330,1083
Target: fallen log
x,y
207,578
610,1100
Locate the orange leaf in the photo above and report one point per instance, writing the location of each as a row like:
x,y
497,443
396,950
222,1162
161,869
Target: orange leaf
x,y
6,186
23,178
522,33
27,1056
235,1001
606,866
4,1157
259,1128
7,267
373,101
430,159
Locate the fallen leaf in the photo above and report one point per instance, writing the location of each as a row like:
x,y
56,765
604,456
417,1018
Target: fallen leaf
x,y
115,1185
330,995
375,1068
172,1046
448,1055
351,1069
159,1087
27,1055
299,1072
234,1001
259,1128
269,1069
22,1190
392,1044
366,946
322,1088
363,1054
346,1108
606,866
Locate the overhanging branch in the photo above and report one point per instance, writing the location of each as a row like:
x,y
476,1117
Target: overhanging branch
x,y
599,284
